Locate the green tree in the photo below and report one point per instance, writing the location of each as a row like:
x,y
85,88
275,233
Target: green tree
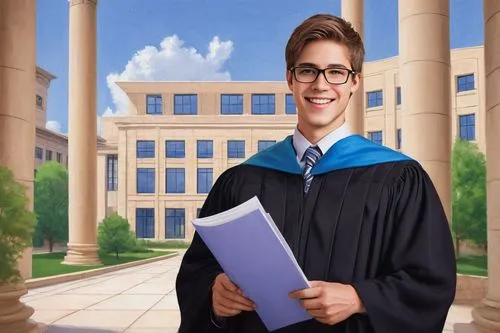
x,y
51,203
114,235
16,225
469,194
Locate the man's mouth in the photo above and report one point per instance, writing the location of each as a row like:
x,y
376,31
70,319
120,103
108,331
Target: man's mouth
x,y
319,101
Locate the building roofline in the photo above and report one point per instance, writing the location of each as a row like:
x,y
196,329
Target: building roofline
x,y
49,76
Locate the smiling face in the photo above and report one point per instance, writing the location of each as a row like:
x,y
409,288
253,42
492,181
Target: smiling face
x,y
321,105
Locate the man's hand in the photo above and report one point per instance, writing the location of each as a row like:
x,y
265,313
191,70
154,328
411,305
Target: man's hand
x,y
227,299
329,303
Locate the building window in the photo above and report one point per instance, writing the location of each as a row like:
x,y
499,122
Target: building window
x,y
185,104
59,157
231,104
290,107
39,101
376,137
205,149
263,104
465,82
48,155
398,95
145,149
175,180
175,148
112,172
145,180
38,153
467,127
398,139
145,222
154,105
174,223
264,144
236,149
205,176
374,98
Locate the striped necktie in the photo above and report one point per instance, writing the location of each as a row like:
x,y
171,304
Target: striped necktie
x,y
311,156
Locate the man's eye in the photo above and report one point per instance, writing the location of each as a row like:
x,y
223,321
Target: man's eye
x,y
307,71
334,71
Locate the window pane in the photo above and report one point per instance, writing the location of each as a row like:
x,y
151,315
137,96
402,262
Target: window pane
x,y
376,137
467,127
231,104
236,149
185,104
290,107
154,104
175,180
145,222
205,149
175,149
174,223
145,180
145,149
204,180
374,98
264,144
263,104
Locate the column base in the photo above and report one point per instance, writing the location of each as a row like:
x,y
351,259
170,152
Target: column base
x,y
487,317
14,315
82,254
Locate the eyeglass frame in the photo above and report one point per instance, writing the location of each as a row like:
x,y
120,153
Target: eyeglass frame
x,y
322,71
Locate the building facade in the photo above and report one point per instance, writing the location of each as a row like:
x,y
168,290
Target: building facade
x,y
50,145
160,161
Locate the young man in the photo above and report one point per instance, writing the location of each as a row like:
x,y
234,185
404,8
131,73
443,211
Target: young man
x,y
364,222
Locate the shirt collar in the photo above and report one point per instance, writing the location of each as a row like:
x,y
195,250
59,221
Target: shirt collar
x,y
300,143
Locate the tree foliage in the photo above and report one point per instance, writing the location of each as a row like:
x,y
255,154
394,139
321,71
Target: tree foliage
x,y
114,235
469,194
17,223
51,203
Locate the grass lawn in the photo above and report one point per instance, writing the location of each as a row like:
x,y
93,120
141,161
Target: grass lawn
x,y
473,265
49,264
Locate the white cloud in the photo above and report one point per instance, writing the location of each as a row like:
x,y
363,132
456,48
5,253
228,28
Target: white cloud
x,y
53,125
173,61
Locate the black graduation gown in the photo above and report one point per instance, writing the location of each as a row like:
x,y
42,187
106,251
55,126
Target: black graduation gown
x,y
371,218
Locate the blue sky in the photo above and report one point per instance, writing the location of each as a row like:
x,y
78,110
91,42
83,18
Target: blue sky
x,y
250,46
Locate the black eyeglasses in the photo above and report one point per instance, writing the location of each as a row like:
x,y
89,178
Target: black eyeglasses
x,y
333,75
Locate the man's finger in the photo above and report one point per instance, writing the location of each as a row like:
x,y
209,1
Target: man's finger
x,y
228,284
224,311
311,304
305,293
238,299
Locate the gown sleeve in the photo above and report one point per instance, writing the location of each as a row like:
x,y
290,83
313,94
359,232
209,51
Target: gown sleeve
x,y
199,268
416,286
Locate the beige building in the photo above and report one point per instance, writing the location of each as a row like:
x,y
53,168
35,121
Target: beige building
x,y
425,70
49,145
383,97
161,159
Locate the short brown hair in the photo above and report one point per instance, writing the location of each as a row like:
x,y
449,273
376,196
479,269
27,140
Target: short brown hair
x,y
325,27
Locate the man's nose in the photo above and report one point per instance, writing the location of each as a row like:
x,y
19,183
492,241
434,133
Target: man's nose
x,y
321,83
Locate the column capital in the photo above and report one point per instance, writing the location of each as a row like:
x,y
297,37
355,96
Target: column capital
x,y
83,2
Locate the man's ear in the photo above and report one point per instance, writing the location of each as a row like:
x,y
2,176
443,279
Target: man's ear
x,y
289,79
356,79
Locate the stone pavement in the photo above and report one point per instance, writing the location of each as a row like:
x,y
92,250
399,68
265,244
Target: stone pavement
x,y
140,299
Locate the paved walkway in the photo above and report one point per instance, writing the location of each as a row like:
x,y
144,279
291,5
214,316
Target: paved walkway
x,y
141,299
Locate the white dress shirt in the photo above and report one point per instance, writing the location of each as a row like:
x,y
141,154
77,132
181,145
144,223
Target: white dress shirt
x,y
300,143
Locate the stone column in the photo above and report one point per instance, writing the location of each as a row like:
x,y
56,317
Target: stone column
x,y
487,315
424,55
17,134
82,135
352,11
